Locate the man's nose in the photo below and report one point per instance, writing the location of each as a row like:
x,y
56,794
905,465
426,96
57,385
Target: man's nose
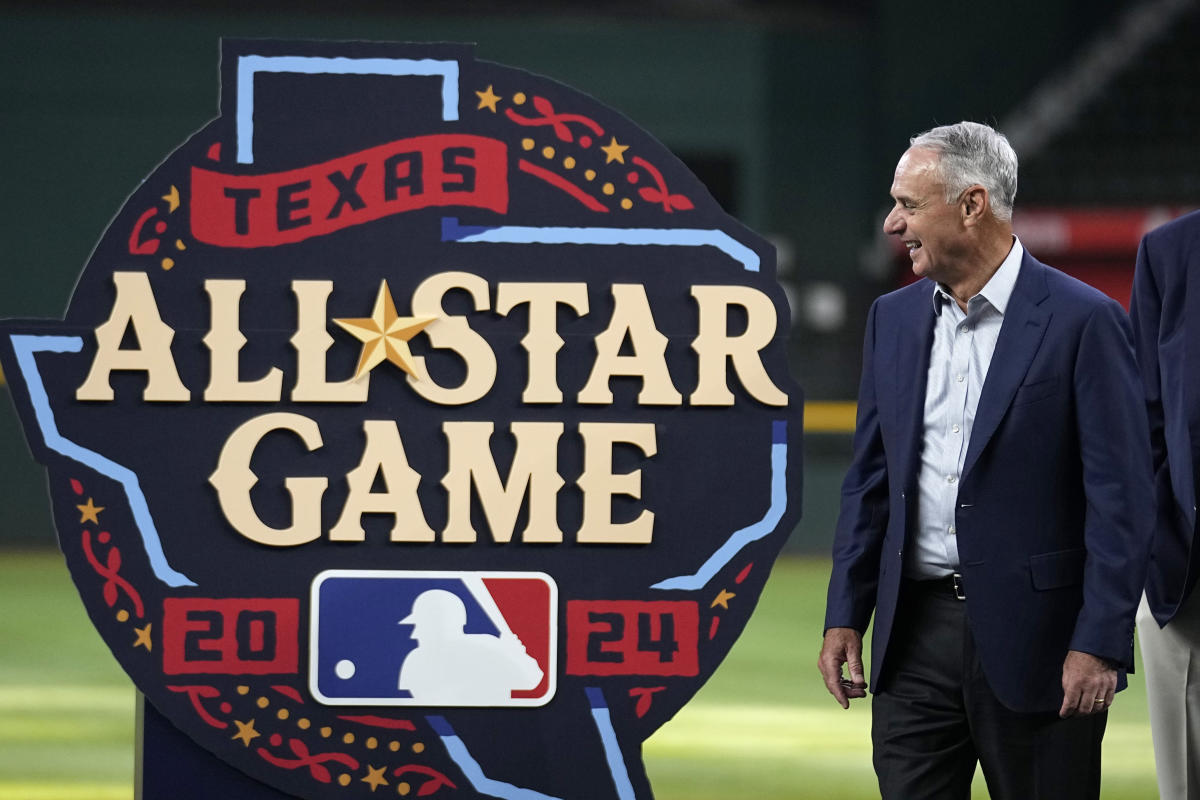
x,y
892,223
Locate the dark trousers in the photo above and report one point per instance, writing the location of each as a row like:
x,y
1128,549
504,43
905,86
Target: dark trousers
x,y
934,716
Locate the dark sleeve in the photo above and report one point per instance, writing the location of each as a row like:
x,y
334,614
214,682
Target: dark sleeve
x,y
863,517
1167,576
1145,312
1114,447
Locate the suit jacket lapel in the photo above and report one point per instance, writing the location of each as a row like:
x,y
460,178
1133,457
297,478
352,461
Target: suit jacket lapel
x,y
1021,333
911,363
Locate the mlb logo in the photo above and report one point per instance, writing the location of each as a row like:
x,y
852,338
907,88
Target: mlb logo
x,y
413,638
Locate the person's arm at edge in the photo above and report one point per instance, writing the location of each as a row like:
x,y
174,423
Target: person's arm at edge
x,y
862,522
1115,450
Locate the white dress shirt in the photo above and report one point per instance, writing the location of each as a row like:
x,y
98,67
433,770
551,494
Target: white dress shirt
x,y
958,365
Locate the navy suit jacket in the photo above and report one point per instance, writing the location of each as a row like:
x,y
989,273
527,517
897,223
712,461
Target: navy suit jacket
x,y
1165,308
1055,500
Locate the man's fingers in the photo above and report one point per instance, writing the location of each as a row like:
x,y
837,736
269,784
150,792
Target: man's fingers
x,y
833,682
1075,701
1102,701
856,671
1089,685
842,646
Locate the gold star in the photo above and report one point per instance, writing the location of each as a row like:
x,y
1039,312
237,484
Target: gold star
x,y
614,152
488,99
245,731
90,512
384,335
375,777
172,198
143,637
723,599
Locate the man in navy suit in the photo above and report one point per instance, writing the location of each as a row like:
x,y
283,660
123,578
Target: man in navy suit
x,y
1165,309
996,516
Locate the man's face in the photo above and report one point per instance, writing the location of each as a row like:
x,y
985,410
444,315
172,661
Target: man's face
x,y
929,227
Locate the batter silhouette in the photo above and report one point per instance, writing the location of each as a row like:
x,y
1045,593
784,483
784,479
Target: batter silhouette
x,y
450,667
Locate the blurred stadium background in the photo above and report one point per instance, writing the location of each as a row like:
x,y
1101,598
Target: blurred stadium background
x,y
793,112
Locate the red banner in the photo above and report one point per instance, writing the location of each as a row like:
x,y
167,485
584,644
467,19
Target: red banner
x,y
294,205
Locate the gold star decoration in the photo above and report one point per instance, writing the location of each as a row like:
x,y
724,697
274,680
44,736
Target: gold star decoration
x,y
143,637
723,598
375,777
384,335
614,152
90,512
245,731
488,99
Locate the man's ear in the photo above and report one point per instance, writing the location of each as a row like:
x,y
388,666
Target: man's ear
x,y
974,204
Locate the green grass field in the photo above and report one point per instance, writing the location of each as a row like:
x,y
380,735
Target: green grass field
x,y
762,728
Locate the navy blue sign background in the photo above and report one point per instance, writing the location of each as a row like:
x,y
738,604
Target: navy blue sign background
x,y
309,175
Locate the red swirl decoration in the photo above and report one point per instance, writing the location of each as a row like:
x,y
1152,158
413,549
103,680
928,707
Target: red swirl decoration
x,y
559,123
304,758
661,194
113,582
436,779
194,694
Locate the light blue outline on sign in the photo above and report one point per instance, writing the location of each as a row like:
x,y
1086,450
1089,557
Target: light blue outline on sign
x,y
669,237
612,748
463,759
752,533
24,347
250,65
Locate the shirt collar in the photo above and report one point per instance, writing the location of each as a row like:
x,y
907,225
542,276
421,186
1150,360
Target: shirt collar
x,y
999,287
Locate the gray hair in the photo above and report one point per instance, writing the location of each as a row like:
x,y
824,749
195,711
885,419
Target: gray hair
x,y
971,153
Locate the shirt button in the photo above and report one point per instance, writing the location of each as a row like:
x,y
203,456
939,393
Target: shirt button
x,y
951,530
951,479
955,428
960,378
962,329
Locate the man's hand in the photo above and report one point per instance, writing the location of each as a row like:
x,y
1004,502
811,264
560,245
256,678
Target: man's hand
x,y
842,646
1089,684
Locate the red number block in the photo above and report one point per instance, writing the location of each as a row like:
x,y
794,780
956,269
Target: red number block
x,y
235,636
611,637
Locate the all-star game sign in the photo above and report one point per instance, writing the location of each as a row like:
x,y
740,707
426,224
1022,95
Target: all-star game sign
x,y
420,427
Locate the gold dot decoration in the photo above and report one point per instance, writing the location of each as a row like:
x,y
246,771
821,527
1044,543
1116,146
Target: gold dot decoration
x,y
519,99
590,175
343,780
283,713
326,732
547,152
608,188
303,723
348,738
403,789
243,690
263,702
569,162
372,743
418,747
394,746
167,263
626,203
122,616
527,144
